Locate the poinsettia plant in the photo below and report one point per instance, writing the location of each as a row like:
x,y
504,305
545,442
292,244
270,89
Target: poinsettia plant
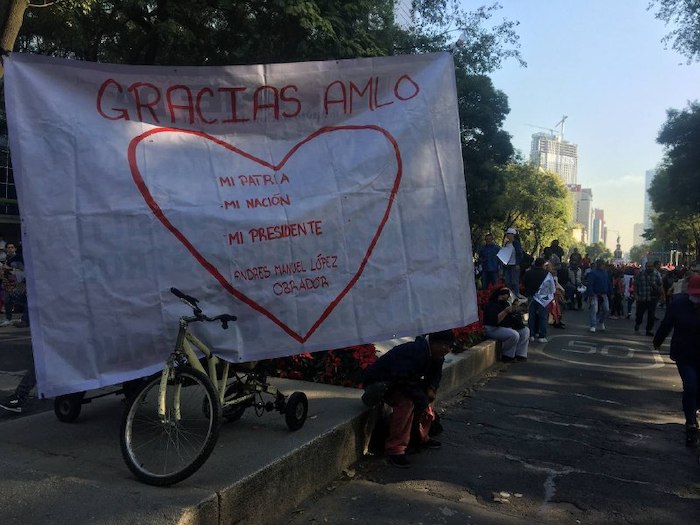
x,y
344,366
468,336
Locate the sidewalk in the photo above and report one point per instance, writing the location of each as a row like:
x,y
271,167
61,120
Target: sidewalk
x,y
57,473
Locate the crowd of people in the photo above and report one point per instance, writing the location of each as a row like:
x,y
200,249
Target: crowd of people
x,y
408,376
553,283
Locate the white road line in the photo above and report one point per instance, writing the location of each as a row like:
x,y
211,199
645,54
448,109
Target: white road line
x,y
596,399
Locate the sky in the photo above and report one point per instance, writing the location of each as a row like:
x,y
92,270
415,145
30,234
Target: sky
x,y
603,65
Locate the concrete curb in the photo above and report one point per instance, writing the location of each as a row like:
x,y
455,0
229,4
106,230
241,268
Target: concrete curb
x,y
265,496
56,473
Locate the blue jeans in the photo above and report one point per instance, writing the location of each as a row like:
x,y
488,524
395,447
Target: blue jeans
x,y
599,308
537,319
514,342
511,275
12,300
488,278
690,374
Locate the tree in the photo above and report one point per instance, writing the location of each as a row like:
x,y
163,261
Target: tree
x,y
639,251
535,202
215,32
598,251
675,192
685,15
486,148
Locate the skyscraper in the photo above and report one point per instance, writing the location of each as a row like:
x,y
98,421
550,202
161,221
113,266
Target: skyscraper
x,y
649,176
551,153
638,231
599,229
583,202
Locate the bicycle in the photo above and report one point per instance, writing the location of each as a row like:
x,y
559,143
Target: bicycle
x,y
172,419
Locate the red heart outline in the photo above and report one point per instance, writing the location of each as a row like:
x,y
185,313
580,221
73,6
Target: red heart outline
x,y
153,205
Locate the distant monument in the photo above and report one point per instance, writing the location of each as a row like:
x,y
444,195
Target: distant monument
x,y
617,254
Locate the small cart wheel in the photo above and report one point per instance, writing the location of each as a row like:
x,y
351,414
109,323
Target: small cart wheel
x,y
296,410
234,412
67,408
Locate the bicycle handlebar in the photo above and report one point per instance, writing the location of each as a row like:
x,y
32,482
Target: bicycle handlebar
x,y
198,314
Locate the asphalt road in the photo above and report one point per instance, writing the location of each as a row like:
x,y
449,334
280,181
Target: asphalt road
x,y
589,430
15,360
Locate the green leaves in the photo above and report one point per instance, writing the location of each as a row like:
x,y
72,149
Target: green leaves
x,y
684,16
675,191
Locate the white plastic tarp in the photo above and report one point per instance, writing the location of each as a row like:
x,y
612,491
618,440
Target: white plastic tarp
x,y
322,203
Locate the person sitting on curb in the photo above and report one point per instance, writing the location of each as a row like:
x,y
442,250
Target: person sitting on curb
x,y
407,378
504,322
538,317
683,317
598,290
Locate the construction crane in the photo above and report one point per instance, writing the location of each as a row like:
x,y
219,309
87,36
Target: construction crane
x,y
552,131
561,128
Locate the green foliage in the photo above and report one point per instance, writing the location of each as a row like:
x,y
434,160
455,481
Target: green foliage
x,y
536,202
485,147
684,15
216,32
637,252
675,191
598,251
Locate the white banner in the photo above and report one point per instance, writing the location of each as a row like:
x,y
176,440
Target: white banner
x,y
322,203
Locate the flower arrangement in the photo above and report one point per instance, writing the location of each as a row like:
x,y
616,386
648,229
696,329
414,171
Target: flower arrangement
x,y
342,367
468,336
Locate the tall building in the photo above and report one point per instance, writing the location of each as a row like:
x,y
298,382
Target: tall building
x,y
638,240
583,203
598,229
649,176
553,154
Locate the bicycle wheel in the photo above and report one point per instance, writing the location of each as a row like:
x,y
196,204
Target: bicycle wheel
x,y
163,451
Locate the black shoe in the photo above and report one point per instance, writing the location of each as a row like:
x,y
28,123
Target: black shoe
x,y
651,334
398,461
692,437
520,358
12,404
432,444
636,328
559,325
507,359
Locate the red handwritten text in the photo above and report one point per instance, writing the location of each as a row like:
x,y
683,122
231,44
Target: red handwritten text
x,y
252,274
282,231
373,95
305,284
182,104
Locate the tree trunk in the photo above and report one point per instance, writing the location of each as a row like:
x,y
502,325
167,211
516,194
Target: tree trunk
x,y
11,25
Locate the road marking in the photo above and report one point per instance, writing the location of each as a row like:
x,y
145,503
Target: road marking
x,y
591,347
596,399
12,339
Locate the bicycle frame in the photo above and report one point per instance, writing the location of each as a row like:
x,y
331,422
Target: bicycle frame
x,y
186,345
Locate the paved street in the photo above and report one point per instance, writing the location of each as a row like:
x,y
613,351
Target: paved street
x,y
589,430
15,359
